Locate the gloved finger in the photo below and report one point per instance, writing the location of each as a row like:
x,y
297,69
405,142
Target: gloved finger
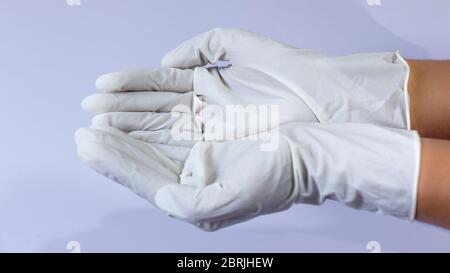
x,y
117,137
169,137
142,102
208,47
217,44
151,121
209,208
178,153
163,79
128,161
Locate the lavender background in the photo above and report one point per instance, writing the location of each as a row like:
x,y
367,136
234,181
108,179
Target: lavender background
x,y
50,55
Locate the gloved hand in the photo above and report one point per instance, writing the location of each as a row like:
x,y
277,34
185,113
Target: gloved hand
x,y
213,184
267,77
216,184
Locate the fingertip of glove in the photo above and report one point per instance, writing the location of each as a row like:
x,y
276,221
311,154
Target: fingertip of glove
x,y
82,135
167,61
177,58
98,103
80,140
89,104
108,82
86,104
89,144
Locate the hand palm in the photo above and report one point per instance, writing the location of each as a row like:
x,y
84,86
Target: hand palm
x,y
209,184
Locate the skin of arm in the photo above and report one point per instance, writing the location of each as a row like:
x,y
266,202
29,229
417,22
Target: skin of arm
x,y
433,196
429,91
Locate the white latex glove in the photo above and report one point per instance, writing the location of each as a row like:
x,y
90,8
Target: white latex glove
x,y
216,184
304,85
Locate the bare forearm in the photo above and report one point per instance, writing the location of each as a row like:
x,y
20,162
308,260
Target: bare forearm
x,y
429,90
433,197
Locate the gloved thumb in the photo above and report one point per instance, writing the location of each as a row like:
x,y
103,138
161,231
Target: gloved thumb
x,y
218,44
202,49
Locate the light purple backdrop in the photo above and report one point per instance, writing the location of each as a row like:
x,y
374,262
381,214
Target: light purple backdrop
x,y
50,55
